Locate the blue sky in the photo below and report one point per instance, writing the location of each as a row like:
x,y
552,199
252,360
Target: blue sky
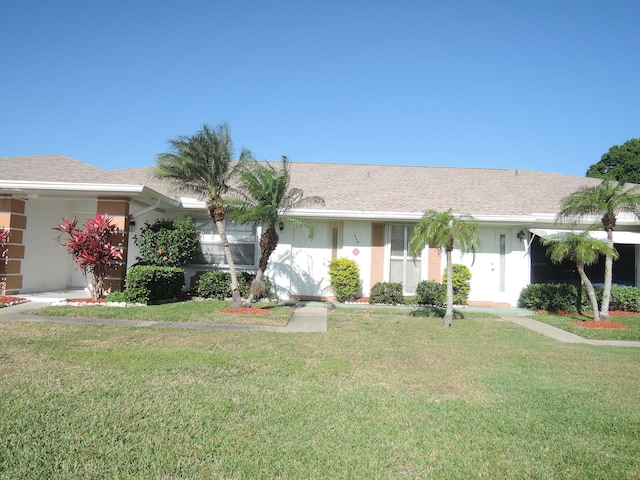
x,y
545,85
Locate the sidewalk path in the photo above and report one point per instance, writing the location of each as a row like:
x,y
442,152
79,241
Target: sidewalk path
x,y
303,320
563,335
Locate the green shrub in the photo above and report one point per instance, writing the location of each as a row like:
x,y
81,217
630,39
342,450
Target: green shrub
x,y
386,293
151,284
624,299
217,285
344,277
461,279
554,297
433,293
168,243
116,297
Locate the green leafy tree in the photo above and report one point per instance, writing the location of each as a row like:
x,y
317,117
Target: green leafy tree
x,y
264,198
607,200
583,250
621,163
445,230
200,165
168,243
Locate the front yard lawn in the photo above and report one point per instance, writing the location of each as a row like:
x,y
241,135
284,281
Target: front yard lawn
x,y
389,396
566,321
189,311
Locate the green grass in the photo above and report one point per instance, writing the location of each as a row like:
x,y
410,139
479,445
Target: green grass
x,y
191,311
378,396
565,322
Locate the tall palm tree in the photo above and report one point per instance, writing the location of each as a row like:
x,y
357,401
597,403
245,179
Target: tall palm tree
x,y
583,250
200,165
264,197
606,200
445,230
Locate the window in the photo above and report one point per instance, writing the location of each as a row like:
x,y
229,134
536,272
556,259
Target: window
x,y
403,268
335,229
242,240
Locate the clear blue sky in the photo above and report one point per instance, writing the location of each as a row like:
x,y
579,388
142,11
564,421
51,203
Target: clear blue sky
x,y
546,85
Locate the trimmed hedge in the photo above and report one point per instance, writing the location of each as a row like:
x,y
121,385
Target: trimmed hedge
x,y
432,293
386,293
151,284
344,277
217,285
554,297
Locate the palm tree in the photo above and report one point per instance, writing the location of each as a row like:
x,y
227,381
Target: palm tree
x,y
445,230
200,164
264,197
607,200
583,250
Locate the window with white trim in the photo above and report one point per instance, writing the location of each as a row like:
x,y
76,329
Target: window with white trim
x,y
403,267
242,240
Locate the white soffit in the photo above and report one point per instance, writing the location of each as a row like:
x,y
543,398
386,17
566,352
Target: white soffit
x,y
629,238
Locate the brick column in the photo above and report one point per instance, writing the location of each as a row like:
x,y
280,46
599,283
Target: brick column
x,y
12,216
118,209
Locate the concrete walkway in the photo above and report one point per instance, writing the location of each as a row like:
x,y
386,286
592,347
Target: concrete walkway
x,y
303,320
563,335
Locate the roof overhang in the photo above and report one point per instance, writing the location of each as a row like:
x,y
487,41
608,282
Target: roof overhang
x,y
57,190
627,238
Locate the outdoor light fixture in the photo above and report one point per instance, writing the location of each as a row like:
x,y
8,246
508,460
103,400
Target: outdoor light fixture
x,y
281,226
521,235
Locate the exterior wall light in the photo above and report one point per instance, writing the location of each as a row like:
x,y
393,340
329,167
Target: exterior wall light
x,y
281,226
521,235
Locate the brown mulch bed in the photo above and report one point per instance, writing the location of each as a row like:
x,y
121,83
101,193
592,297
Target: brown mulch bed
x,y
245,311
85,300
600,324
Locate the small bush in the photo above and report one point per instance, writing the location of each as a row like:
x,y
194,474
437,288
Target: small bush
x,y
461,279
150,284
217,285
344,277
624,299
386,293
555,297
116,297
432,293
168,243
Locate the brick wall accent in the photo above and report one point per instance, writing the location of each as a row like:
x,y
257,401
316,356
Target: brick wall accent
x,y
434,267
377,253
12,216
118,209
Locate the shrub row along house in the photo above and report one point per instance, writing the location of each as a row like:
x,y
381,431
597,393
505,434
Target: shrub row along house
x,y
368,216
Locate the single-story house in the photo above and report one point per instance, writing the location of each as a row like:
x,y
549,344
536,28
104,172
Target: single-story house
x,y
368,216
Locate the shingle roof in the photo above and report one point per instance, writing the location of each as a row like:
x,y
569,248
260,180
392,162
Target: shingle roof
x,y
358,188
476,191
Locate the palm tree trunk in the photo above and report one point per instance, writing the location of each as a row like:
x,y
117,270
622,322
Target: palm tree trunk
x,y
448,316
608,279
268,243
217,214
590,292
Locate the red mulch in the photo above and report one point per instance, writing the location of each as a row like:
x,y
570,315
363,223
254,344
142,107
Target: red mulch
x,y
85,300
600,324
245,311
11,300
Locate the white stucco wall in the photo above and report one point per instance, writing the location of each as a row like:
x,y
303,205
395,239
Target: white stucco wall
x,y
48,266
486,270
